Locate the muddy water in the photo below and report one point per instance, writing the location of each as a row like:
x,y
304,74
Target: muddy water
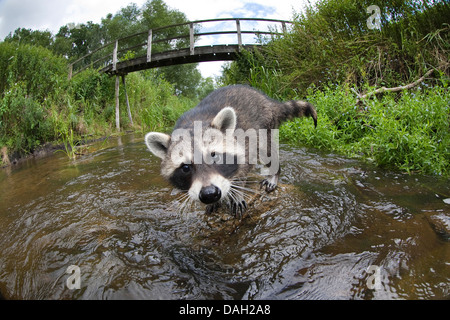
x,y
335,229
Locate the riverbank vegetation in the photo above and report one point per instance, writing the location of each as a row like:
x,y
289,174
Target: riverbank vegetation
x,y
381,93
38,104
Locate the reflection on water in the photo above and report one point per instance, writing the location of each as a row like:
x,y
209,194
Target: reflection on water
x,y
335,229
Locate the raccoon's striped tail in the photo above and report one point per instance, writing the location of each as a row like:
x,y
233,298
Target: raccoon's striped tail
x,y
297,109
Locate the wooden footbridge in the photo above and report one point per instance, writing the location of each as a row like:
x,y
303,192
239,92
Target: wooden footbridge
x,y
172,45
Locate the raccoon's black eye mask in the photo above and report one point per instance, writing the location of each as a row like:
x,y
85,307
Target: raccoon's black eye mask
x,y
185,168
182,177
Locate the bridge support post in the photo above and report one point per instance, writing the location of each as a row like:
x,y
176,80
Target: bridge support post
x,y
117,102
126,99
239,34
149,45
115,52
191,39
70,71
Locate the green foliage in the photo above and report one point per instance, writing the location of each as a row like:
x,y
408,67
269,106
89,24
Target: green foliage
x,y
70,145
23,123
331,43
155,105
155,13
28,78
73,41
121,24
409,133
91,86
32,37
330,54
39,105
35,67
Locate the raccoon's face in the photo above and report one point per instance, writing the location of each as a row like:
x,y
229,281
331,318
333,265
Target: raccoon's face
x,y
201,160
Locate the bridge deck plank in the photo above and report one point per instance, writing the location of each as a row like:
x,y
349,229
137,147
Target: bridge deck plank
x,y
193,54
181,56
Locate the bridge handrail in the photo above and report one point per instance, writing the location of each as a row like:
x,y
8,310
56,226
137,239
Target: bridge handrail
x,y
192,34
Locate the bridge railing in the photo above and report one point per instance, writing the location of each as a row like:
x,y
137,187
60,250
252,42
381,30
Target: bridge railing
x,y
167,38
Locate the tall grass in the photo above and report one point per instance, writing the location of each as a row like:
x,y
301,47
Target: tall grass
x,y
330,43
409,132
39,105
28,77
330,55
155,105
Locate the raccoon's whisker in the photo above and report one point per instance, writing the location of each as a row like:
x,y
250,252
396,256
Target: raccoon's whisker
x,y
183,197
239,180
231,198
186,202
243,192
240,194
244,182
235,196
186,206
175,205
241,183
244,188
183,209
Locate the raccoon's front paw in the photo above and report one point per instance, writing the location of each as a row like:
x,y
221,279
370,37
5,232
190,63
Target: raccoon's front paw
x,y
269,184
238,208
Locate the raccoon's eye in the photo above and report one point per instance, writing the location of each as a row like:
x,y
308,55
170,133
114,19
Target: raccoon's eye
x,y
186,168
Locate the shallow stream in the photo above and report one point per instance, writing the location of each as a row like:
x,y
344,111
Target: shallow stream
x,y
335,229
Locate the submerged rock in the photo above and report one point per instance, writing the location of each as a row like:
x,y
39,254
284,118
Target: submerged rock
x,y
441,225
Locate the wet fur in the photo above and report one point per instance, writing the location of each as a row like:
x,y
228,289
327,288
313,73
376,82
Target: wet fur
x,y
253,110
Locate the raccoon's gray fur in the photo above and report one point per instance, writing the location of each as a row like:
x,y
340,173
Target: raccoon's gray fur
x,y
229,108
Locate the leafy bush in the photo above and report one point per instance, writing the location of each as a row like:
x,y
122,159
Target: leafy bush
x,y
331,43
330,55
92,86
155,105
409,133
39,105
23,124
36,67
28,77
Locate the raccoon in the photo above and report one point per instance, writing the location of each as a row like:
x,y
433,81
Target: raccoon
x,y
215,145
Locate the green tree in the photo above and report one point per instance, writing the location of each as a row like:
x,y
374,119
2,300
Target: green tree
x,y
155,13
331,43
125,22
74,41
32,37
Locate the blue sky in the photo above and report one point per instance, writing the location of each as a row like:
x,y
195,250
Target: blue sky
x,y
52,14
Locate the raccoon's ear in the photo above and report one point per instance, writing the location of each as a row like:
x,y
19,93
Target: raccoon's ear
x,y
157,143
225,119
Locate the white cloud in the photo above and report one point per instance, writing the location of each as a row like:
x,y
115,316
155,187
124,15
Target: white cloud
x,y
52,14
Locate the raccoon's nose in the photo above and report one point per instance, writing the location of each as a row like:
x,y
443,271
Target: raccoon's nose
x,y
209,194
